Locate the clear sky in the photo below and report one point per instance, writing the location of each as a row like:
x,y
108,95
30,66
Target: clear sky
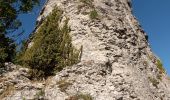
x,y
28,21
153,15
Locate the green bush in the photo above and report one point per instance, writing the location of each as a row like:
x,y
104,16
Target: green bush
x,y
52,49
93,14
7,50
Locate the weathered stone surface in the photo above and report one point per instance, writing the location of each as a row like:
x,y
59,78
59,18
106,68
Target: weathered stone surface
x,y
116,64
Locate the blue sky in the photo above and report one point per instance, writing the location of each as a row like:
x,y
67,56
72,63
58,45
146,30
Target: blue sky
x,y
28,21
153,15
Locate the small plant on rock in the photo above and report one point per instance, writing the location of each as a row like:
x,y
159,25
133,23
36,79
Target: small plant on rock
x,y
160,67
93,14
87,2
154,82
63,85
80,97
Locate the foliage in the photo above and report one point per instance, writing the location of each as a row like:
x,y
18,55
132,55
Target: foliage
x,y
19,54
160,66
9,10
93,14
7,49
52,49
80,97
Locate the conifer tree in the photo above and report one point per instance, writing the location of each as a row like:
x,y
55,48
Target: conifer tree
x,y
52,49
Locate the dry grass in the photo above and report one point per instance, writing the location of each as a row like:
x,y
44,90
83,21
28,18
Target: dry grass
x,y
9,90
154,82
80,97
63,85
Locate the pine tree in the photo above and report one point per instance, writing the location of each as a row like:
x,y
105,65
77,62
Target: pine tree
x,y
52,49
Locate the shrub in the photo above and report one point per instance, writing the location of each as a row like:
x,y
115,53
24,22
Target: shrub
x,y
93,14
7,50
52,49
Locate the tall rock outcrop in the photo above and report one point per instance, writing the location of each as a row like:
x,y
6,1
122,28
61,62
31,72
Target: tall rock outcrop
x,y
116,60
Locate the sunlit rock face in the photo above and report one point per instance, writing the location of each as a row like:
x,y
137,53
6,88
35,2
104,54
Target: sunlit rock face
x,y
116,60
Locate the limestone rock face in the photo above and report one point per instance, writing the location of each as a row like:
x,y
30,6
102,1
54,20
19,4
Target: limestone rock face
x,y
116,62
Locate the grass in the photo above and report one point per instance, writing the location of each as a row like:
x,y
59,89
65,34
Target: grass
x,y
160,67
80,97
63,85
93,14
39,95
9,90
154,82
87,2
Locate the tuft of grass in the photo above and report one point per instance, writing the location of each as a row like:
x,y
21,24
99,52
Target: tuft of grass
x,y
160,67
9,90
40,95
159,76
93,14
87,2
80,97
23,98
154,82
63,85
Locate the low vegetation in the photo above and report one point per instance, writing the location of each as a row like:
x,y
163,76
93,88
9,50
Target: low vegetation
x,y
40,95
9,90
80,97
52,49
160,67
89,3
154,82
93,14
7,50
63,85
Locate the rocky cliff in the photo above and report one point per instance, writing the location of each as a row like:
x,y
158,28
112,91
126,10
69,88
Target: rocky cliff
x,y
116,60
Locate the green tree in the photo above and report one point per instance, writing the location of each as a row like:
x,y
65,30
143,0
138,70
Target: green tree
x,y
7,49
9,10
52,49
